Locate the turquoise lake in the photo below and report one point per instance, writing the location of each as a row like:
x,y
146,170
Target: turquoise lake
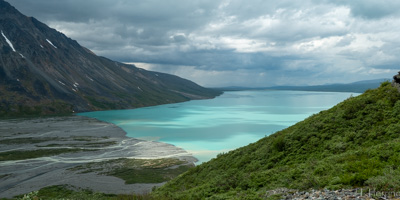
x,y
206,128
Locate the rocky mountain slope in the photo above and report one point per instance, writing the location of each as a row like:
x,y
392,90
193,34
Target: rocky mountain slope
x,y
354,144
44,72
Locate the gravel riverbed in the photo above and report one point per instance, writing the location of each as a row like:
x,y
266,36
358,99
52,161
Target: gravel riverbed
x,y
99,141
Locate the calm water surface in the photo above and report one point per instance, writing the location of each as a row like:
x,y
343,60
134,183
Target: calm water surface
x,y
234,119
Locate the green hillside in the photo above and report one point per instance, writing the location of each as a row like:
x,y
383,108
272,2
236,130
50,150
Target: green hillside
x,y
354,144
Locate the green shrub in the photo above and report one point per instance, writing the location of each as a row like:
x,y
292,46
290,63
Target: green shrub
x,y
349,145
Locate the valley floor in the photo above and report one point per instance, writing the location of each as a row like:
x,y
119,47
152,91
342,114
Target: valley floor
x,y
36,153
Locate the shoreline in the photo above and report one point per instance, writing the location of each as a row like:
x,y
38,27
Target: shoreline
x,y
100,141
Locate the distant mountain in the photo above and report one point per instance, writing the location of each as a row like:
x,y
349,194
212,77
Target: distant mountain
x,y
44,72
359,87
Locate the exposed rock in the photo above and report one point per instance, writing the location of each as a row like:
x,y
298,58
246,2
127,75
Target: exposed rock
x,y
324,194
396,81
42,72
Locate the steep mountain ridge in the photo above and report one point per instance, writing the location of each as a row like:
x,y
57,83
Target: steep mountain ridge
x,y
44,72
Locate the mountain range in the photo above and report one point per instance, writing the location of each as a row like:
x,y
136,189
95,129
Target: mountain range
x,y
42,72
359,87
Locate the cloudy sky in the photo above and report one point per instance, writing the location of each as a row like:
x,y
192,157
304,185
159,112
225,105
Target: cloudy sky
x,y
236,42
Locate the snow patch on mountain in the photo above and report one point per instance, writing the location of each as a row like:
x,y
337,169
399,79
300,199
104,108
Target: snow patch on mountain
x,y
89,78
51,43
61,83
8,41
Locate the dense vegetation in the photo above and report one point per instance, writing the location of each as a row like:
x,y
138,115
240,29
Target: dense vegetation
x,y
354,144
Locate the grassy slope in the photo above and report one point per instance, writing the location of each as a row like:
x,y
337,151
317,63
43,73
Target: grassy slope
x,y
356,143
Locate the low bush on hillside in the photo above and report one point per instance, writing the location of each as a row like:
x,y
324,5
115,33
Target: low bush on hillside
x,y
354,144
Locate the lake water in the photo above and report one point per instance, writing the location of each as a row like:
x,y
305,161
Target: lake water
x,y
234,119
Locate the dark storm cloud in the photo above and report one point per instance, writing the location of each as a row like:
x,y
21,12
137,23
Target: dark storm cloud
x,y
163,14
372,9
215,60
66,10
236,42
